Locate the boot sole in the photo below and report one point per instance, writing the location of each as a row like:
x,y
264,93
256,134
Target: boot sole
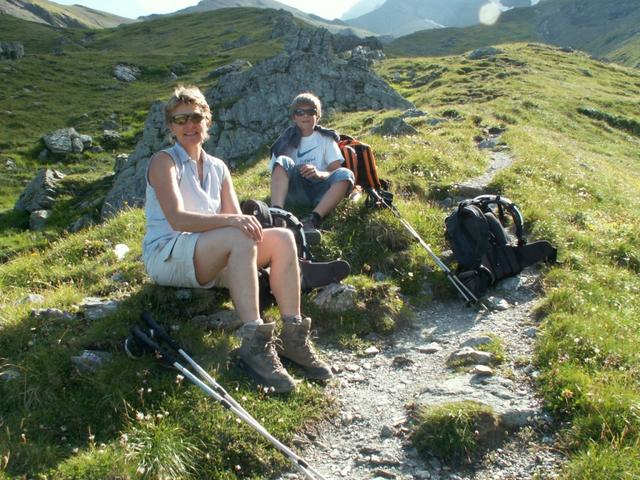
x,y
263,381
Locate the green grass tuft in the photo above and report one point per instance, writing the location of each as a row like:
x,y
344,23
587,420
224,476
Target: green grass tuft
x,y
455,432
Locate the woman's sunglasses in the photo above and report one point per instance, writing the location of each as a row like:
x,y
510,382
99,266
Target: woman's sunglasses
x,y
183,118
299,112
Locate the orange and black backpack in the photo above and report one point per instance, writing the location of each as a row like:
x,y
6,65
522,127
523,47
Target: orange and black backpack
x,y
359,158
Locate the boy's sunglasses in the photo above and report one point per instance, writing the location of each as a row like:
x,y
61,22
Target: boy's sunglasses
x,y
299,112
183,118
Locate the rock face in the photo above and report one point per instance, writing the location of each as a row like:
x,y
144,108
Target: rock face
x,y
41,192
129,184
250,106
11,50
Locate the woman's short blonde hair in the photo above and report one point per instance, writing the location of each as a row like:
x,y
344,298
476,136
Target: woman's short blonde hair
x,y
190,95
306,98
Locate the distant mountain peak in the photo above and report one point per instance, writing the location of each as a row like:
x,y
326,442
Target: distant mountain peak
x,y
362,7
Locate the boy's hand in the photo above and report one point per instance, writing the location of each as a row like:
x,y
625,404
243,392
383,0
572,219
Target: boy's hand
x,y
310,172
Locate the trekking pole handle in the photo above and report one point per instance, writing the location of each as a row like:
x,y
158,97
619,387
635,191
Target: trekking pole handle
x,y
161,332
143,337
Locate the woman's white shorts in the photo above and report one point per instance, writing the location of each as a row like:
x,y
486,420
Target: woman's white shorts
x,y
172,264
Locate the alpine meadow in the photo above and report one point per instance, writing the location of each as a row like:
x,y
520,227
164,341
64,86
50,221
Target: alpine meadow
x,y
568,121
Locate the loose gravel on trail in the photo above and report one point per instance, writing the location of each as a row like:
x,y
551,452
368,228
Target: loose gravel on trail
x,y
370,436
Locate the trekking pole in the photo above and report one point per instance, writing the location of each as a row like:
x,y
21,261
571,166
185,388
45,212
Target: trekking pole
x,y
216,391
467,294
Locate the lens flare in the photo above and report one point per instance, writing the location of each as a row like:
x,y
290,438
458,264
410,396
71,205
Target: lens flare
x,y
489,14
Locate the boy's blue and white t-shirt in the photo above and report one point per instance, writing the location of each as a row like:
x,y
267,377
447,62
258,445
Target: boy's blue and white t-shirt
x,y
316,149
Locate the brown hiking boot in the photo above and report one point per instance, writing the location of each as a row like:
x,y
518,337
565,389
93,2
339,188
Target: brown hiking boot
x,y
296,347
258,352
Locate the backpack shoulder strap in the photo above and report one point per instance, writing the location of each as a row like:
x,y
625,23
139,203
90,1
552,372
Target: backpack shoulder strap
x,y
260,210
503,203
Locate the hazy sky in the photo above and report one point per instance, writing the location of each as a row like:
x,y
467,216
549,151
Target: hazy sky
x,y
135,8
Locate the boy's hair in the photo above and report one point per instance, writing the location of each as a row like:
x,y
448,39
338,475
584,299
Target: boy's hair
x,y
306,98
190,95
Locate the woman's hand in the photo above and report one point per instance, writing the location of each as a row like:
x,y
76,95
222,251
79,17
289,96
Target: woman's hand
x,y
247,224
310,172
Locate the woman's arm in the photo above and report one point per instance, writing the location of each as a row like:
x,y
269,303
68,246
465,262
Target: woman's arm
x,y
163,179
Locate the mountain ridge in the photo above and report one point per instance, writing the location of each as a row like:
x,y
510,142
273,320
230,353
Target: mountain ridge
x,y
65,16
603,29
334,26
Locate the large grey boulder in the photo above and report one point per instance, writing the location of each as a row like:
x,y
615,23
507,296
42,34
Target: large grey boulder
x,y
66,140
251,105
263,93
11,50
126,73
41,192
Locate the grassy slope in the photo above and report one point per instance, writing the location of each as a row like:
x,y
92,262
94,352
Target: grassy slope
x,y
576,180
514,26
43,92
605,30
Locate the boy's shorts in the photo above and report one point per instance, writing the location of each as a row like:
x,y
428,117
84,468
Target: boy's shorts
x,y
308,192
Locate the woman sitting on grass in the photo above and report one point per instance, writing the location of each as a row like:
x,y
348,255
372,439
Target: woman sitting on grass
x,y
197,237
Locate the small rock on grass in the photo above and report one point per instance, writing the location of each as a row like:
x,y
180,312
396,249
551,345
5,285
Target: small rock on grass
x,y
90,361
32,298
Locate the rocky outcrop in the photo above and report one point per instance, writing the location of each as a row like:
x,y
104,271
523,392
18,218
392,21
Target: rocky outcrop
x,y
41,192
263,94
251,105
11,50
129,184
234,66
66,140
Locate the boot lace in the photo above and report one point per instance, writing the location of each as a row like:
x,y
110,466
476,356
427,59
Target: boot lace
x,y
270,352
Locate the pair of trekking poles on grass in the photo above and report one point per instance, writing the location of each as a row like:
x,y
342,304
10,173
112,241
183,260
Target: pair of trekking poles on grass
x,y
141,341
379,200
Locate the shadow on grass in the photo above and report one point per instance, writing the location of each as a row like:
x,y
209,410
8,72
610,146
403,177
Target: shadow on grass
x,y
52,409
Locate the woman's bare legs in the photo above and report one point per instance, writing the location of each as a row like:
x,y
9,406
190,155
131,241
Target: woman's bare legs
x,y
230,250
278,250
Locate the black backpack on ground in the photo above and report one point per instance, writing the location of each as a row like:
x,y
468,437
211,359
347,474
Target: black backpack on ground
x,y
270,217
482,246
313,274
